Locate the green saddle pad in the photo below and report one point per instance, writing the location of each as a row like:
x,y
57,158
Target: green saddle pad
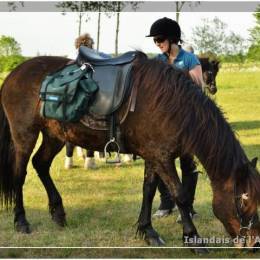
x,y
67,94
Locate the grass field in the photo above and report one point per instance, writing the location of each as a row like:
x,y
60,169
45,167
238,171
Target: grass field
x,y
102,205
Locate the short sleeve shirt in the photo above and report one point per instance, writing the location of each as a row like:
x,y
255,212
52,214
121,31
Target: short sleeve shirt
x,y
184,60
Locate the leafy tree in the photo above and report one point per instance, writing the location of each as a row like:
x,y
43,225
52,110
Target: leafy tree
x,y
213,36
9,46
254,50
8,63
210,36
236,47
255,32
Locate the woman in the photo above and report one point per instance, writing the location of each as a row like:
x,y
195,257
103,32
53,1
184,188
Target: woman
x,y
166,34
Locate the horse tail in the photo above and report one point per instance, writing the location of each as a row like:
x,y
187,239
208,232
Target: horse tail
x,y
7,161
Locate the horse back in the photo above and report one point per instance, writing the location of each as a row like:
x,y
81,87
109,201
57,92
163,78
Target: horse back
x,y
20,90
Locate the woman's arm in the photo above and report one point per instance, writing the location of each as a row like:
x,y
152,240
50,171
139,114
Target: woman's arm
x,y
196,75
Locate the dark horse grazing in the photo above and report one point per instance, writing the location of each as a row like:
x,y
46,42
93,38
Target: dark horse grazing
x,y
172,117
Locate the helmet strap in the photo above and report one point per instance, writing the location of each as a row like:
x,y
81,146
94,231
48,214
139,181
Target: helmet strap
x,y
170,47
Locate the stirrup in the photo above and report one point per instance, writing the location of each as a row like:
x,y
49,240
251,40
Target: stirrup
x,y
107,154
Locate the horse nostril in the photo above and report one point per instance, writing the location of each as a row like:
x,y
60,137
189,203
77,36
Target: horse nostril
x,y
213,89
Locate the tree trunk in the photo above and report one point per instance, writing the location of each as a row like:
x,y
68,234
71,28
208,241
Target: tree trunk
x,y
117,27
177,14
80,21
98,31
179,6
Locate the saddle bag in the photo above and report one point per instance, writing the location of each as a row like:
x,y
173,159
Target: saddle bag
x,y
67,94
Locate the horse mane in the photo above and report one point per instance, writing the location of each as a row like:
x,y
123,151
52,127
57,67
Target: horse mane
x,y
202,128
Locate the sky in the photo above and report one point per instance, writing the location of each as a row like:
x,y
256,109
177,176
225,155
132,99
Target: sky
x,y
51,33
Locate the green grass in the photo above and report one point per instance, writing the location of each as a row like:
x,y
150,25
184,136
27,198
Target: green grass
x,y
102,205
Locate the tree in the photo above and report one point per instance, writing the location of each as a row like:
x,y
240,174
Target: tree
x,y
87,6
117,7
179,5
236,47
103,7
81,7
210,36
254,50
8,63
10,53
9,46
14,5
255,32
213,37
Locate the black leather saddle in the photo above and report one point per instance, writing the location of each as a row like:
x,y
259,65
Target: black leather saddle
x,y
94,58
113,77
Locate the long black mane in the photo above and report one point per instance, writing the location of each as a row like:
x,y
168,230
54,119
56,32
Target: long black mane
x,y
202,127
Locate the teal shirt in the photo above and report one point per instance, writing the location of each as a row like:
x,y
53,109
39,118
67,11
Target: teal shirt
x,y
184,60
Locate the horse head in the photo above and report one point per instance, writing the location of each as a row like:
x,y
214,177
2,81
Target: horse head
x,y
237,209
247,198
209,71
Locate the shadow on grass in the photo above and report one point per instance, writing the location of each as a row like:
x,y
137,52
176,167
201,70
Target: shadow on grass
x,y
105,223
245,125
252,151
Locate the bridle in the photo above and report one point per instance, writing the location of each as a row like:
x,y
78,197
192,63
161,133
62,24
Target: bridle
x,y
246,223
210,84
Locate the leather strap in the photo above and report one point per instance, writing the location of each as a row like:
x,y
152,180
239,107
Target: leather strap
x,y
133,99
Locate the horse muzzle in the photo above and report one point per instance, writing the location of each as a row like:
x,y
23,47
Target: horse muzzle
x,y
212,89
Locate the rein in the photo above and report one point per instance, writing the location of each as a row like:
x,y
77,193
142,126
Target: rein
x,y
245,224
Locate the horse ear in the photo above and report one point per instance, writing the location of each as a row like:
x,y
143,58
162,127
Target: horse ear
x,y
254,162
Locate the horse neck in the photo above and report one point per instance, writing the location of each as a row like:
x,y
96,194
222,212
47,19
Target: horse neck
x,y
206,133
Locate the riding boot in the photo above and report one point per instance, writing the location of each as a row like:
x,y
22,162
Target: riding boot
x,y
189,178
189,183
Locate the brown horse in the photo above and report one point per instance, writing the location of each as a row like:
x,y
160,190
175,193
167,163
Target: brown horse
x,y
172,117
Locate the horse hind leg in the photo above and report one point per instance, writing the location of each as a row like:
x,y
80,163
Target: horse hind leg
x,y
41,162
20,221
23,150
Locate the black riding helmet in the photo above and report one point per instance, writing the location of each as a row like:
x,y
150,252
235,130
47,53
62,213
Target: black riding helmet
x,y
166,27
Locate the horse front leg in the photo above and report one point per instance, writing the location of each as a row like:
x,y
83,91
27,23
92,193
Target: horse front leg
x,y
170,177
145,228
41,162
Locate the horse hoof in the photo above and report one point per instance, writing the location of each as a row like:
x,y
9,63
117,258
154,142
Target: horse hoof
x,y
58,215
59,221
155,241
23,228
